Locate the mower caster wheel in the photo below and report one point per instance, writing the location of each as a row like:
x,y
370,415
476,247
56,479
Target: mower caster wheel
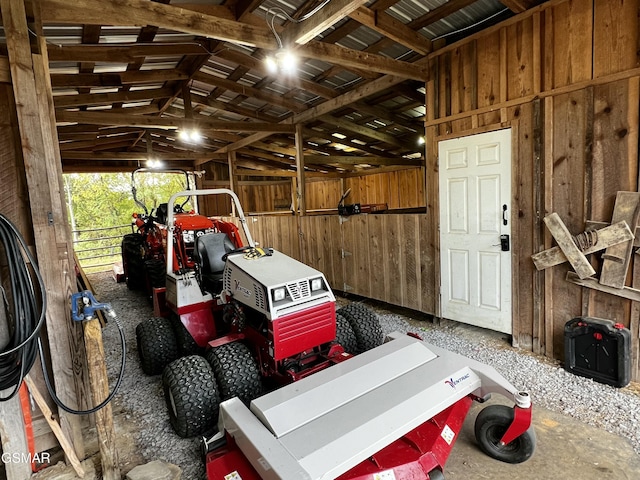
x,y
156,345
191,395
236,371
365,325
436,474
491,424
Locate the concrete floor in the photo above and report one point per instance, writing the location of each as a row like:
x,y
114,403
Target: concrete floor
x,y
566,449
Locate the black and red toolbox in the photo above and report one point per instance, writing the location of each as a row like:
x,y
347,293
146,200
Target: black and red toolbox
x,y
599,349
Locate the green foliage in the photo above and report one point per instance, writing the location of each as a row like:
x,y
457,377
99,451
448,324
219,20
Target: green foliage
x,y
99,201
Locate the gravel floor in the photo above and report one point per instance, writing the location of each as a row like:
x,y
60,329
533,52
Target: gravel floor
x,y
141,411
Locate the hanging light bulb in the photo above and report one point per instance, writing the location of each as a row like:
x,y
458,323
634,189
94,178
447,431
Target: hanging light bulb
x,y
184,135
288,62
271,64
194,136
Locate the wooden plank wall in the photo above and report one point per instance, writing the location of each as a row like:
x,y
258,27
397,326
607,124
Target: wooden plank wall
x,y
565,77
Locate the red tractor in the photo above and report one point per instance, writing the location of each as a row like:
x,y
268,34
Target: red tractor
x,y
143,251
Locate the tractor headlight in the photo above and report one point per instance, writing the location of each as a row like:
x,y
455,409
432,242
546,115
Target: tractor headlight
x,y
279,294
316,284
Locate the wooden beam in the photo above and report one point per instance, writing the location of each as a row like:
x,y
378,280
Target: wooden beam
x,y
439,13
351,160
362,130
354,95
333,12
256,64
394,29
607,236
626,292
563,237
72,80
113,156
144,12
236,87
64,101
616,259
5,72
348,58
121,52
265,173
66,445
519,6
302,208
34,108
122,119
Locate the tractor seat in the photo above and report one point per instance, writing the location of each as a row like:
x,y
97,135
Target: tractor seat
x,y
208,253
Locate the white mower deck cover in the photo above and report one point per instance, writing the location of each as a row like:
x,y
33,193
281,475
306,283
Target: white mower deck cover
x,y
324,425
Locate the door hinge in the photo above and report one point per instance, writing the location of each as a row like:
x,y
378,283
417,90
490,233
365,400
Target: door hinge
x,y
344,253
346,288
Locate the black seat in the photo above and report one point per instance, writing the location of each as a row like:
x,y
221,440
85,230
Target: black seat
x,y
208,253
161,213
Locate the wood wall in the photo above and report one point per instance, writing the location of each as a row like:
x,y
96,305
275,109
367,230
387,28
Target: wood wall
x,y
565,78
398,189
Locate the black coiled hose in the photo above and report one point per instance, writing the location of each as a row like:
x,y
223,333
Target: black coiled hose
x,y
29,307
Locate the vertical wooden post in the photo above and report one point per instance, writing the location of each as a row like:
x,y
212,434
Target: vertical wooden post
x,y
231,156
186,99
302,209
44,179
300,191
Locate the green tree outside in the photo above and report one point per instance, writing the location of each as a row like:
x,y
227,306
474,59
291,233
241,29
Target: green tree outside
x,y
101,207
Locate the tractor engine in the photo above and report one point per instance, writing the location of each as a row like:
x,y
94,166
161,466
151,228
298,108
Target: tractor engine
x,y
286,302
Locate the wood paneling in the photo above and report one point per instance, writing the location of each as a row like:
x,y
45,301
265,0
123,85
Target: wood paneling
x,y
615,37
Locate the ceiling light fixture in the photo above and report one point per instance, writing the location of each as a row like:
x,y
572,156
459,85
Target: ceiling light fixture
x,y
284,61
190,135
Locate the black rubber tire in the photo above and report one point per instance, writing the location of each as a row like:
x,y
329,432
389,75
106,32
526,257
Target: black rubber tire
x,y
236,371
436,474
365,325
133,261
156,345
156,271
491,424
191,396
345,335
185,342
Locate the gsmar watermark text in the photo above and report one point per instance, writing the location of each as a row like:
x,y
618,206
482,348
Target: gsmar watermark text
x,y
43,457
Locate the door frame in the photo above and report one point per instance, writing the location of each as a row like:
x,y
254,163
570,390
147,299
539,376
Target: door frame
x,y
513,126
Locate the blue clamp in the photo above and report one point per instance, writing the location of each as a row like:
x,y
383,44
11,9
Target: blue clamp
x,y
84,306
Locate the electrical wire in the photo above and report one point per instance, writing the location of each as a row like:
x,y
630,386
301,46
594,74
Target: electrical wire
x,y
278,11
25,320
27,315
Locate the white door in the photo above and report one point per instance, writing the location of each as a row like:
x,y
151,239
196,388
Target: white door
x,y
475,211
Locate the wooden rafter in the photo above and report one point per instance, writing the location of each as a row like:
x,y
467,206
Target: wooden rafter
x,y
123,119
306,31
392,28
143,12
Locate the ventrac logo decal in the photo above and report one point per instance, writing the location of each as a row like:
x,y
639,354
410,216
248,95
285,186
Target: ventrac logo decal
x,y
245,291
453,383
